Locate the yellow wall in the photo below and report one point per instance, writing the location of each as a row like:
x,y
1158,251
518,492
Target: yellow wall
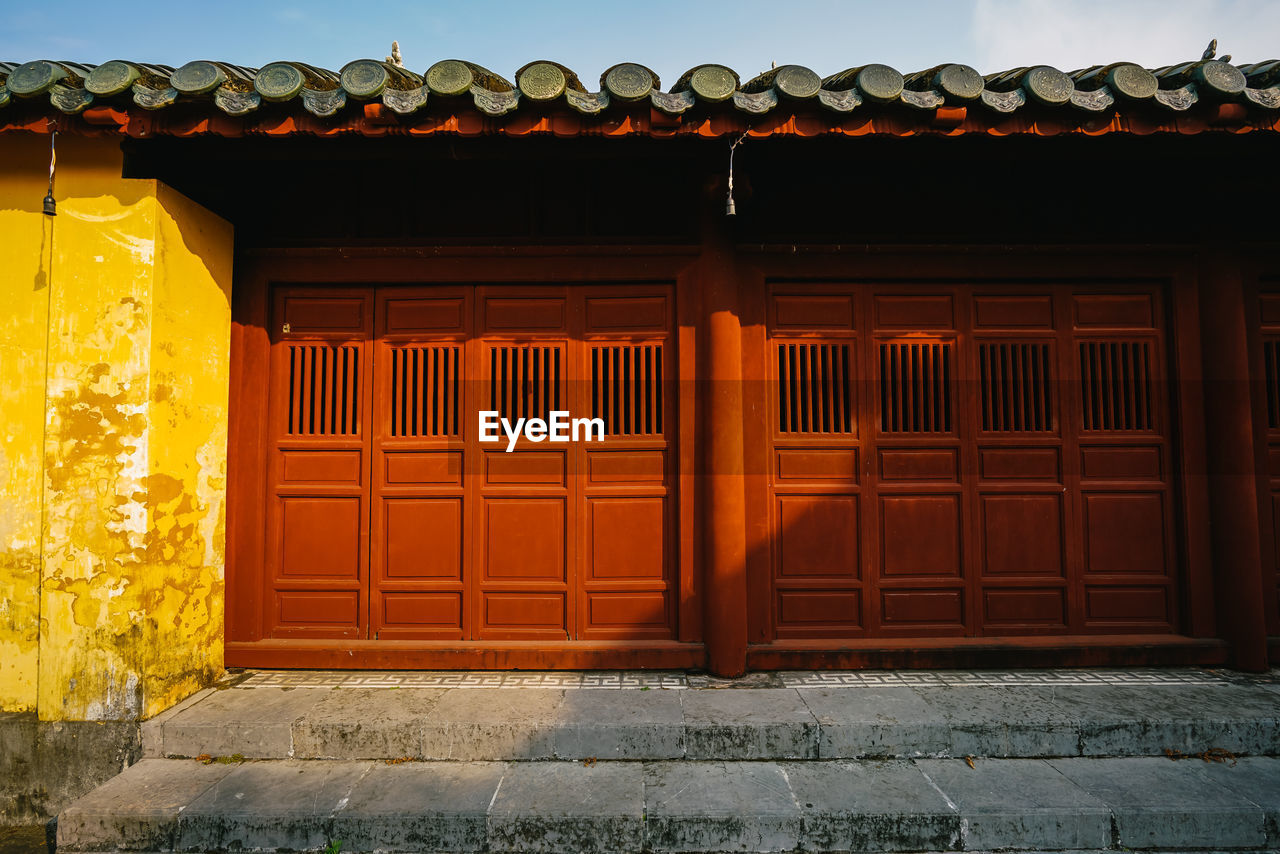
x,y
134,416
25,247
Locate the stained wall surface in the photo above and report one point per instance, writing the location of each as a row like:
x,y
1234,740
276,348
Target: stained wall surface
x,y
115,393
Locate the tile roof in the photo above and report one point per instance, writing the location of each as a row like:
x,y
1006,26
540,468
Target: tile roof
x,y
320,99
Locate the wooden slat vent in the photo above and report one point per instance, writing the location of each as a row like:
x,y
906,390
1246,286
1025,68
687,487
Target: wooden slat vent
x,y
324,390
1016,390
813,389
1271,357
525,381
626,388
1115,385
424,391
915,387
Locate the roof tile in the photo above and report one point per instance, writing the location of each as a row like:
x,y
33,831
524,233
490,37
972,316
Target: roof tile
x,y
70,88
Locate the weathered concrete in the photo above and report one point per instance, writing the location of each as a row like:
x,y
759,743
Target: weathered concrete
x,y
765,723
562,806
1119,720
480,723
1019,804
138,810
719,806
520,723
890,722
45,765
365,723
678,806
870,806
1256,780
280,804
1002,722
415,806
1157,803
620,725
256,724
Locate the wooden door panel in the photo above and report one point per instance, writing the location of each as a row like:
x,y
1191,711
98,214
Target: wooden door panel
x,y
628,538
1015,472
920,535
1124,533
1022,535
321,538
424,539
317,507
818,536
391,520
524,540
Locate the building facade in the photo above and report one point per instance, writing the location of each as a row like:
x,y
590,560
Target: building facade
x,y
929,370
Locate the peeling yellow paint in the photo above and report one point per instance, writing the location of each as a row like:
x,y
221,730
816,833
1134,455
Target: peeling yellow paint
x,y
114,594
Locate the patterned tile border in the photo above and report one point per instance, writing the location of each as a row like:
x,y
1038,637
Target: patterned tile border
x,y
617,680
461,679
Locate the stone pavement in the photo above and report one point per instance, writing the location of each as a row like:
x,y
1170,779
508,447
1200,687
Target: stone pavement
x,y
939,761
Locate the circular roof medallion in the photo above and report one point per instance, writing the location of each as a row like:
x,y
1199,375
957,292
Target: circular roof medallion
x,y
959,81
197,78
628,81
713,83
111,78
796,81
278,81
879,82
1222,77
364,78
1133,81
450,77
541,81
33,78
1048,85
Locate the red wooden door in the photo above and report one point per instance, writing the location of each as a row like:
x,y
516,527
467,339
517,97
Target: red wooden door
x,y
318,502
968,460
1267,397
433,535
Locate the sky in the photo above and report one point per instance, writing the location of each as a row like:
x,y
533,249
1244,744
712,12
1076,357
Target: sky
x,y
669,36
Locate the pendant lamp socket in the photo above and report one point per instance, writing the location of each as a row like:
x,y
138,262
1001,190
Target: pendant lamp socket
x,y
50,206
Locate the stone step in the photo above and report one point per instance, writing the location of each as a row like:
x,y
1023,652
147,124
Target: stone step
x,y
1077,804
773,723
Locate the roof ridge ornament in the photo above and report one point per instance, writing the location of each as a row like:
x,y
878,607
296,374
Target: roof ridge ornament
x,y
394,58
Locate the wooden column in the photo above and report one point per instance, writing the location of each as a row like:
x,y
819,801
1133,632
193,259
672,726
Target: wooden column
x,y
725,595
1233,497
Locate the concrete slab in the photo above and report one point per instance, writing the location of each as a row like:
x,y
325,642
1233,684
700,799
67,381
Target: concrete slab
x,y
153,729
719,806
138,809
489,724
365,723
256,723
1003,722
281,804
568,806
419,806
870,806
876,722
1257,780
1124,720
1157,803
1019,803
620,725
765,723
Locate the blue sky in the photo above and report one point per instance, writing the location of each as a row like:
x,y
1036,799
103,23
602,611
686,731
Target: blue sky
x,y
669,36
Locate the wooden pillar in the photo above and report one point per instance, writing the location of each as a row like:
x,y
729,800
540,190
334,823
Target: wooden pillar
x,y
725,591
1233,497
